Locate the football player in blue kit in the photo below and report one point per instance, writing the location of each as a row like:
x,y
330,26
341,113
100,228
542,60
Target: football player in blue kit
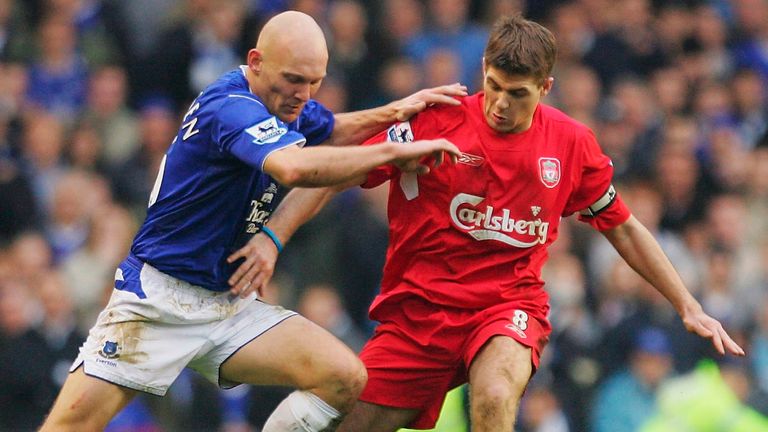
x,y
183,296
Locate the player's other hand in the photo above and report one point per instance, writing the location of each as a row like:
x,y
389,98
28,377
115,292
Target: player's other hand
x,y
409,106
705,326
252,275
423,155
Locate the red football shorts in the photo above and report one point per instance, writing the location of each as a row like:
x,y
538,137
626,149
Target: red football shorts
x,y
420,350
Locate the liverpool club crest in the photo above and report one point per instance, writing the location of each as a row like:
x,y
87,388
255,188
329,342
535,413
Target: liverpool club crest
x,y
549,171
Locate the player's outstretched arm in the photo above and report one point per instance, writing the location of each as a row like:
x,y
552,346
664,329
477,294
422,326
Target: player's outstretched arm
x,y
642,252
329,166
355,127
260,253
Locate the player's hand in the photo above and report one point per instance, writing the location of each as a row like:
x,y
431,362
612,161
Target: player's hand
x,y
409,106
423,155
253,274
705,326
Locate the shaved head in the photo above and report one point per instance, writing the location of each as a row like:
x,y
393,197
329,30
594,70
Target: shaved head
x,y
288,64
294,33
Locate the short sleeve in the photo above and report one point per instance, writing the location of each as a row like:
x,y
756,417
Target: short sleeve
x,y
246,130
594,177
316,123
594,182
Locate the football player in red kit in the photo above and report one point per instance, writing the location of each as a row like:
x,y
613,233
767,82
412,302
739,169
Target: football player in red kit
x,y
462,299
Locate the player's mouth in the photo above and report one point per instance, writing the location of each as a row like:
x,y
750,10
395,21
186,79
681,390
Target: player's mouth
x,y
497,118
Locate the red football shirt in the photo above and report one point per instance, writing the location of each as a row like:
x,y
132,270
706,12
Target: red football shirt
x,y
475,234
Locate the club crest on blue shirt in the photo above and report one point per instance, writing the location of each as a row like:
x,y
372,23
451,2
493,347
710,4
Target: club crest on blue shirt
x,y
400,132
110,350
266,132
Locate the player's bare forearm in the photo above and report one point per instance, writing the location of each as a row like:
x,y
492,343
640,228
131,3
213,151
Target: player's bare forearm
x,y
355,127
642,252
330,166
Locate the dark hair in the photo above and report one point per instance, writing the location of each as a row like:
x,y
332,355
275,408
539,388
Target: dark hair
x,y
518,46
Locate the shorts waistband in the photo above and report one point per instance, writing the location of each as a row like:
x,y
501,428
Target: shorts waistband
x,y
134,261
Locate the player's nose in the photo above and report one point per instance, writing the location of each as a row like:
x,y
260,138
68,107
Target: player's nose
x,y
303,93
502,103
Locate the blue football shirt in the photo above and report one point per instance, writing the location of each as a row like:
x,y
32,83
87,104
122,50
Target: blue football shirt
x,y
211,195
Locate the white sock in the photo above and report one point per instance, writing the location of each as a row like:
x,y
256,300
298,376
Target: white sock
x,y
302,411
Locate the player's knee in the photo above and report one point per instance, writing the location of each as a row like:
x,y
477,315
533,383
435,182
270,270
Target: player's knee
x,y
353,377
495,398
347,380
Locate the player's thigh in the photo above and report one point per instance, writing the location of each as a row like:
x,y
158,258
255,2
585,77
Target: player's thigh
x,y
376,418
295,352
86,403
501,369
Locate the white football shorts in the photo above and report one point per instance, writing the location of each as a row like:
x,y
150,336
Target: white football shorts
x,y
155,325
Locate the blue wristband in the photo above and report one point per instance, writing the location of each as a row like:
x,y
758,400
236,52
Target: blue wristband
x,y
271,234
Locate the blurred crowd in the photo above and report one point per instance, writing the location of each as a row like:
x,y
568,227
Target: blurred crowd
x,y
92,91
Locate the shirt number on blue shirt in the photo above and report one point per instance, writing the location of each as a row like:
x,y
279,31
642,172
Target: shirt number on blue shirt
x,y
189,126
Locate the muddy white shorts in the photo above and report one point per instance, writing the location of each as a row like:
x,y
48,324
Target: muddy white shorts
x,y
155,325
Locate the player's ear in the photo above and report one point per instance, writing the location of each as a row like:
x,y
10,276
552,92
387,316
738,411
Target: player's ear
x,y
483,65
546,87
255,60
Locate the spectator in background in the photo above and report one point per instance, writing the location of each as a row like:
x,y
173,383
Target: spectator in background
x,y
205,42
736,264
638,111
632,47
441,66
14,81
751,23
25,390
670,90
84,151
451,29
571,22
401,21
399,76
322,304
757,191
750,99
578,94
541,412
96,38
58,76
74,200
30,256
216,42
18,204
109,114
625,400
42,158
132,180
355,54
711,33
15,42
678,176
89,269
